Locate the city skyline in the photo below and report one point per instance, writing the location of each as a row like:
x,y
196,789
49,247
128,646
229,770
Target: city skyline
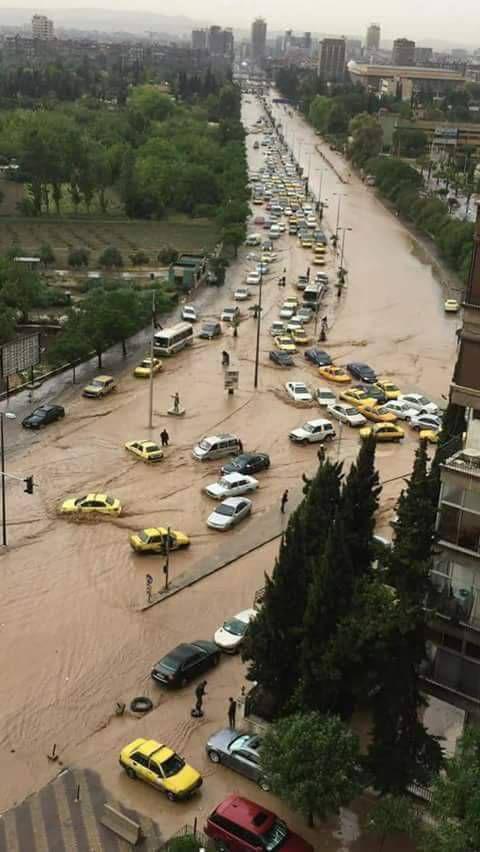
x,y
348,19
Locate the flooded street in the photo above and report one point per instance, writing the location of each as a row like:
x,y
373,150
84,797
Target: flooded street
x,y
73,638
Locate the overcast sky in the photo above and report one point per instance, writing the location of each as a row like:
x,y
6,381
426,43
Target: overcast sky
x,y
430,19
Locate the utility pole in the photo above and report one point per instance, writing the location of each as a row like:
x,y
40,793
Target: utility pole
x,y
343,247
10,416
150,389
338,217
167,558
259,322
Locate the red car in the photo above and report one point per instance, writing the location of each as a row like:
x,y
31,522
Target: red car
x,y
239,825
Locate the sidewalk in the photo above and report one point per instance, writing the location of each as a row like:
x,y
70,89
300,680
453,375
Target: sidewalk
x,y
260,530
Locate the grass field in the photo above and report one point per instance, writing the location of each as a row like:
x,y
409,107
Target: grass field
x,y
95,234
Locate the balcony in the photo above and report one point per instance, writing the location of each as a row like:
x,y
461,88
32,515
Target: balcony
x,y
465,461
453,601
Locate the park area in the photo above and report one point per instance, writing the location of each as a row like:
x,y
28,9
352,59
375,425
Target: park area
x,y
128,236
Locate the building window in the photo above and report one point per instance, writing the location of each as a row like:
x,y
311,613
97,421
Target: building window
x,y
469,531
452,493
471,500
448,525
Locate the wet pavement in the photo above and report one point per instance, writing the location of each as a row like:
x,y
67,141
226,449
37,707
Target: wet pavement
x,y
73,638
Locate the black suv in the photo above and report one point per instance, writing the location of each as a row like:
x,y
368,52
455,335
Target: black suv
x,y
362,372
43,415
247,463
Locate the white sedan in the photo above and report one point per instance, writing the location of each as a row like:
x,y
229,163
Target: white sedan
x,y
253,278
402,410
229,512
231,485
346,414
298,391
230,636
287,312
241,294
325,397
419,403
189,313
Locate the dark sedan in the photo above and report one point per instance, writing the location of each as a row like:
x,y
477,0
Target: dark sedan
x,y
362,372
43,415
185,662
283,359
318,357
239,752
247,463
210,330
376,393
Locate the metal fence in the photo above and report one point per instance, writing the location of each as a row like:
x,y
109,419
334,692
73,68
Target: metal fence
x,y
188,839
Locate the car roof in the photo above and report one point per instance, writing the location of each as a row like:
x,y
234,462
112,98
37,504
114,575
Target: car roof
x,y
103,378
155,530
183,651
246,813
234,501
320,422
234,477
245,615
220,437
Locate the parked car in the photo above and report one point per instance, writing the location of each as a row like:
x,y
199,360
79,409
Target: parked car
x,y
374,392
229,512
185,662
99,386
383,432
282,359
287,312
325,397
189,313
451,306
389,388
419,402
43,415
230,314
426,421
247,463
241,825
318,357
240,752
231,634
362,372
400,409
346,414
231,485
313,431
298,391
210,330
277,327
159,765
253,278
158,540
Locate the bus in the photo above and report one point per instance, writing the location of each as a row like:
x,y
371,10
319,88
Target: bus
x,y
171,340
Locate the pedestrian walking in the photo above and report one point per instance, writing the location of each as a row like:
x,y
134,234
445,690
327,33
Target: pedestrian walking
x,y
321,454
200,691
308,273
232,712
240,445
165,437
284,501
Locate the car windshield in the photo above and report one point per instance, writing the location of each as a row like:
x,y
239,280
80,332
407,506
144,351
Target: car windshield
x,y
152,448
97,383
235,626
225,509
209,326
204,445
172,765
299,389
79,500
142,535
350,412
423,400
307,427
169,662
274,837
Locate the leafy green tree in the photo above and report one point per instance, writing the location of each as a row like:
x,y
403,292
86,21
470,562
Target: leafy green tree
x,y
139,258
78,257
151,102
46,254
167,255
367,138
111,258
234,235
71,345
7,323
311,761
394,815
22,291
455,804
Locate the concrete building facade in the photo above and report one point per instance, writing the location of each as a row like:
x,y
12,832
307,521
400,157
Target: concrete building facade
x,y
331,61
403,52
259,39
42,27
372,40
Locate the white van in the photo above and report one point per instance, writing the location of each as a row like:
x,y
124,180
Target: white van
x,y
216,446
275,232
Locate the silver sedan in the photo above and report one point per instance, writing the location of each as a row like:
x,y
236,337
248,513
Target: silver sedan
x,y
239,752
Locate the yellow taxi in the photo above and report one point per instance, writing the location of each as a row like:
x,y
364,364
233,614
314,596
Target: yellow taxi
x,y
319,259
378,414
291,300
156,539
147,451
285,343
300,337
334,374
429,435
160,766
144,369
389,388
383,432
357,396
306,242
102,503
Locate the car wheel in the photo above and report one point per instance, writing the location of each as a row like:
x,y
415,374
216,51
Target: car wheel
x,y
130,772
214,756
329,438
171,796
141,704
62,415
264,785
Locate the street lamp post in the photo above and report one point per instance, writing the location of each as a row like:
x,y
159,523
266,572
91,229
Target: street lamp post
x,y
259,322
343,247
152,350
9,415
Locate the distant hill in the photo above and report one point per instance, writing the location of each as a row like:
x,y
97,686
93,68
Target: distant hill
x,y
105,20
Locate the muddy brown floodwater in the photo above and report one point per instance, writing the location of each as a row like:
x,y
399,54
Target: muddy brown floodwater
x,y
73,639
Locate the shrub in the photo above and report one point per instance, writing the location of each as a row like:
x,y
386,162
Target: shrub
x,y
167,255
78,257
111,257
139,258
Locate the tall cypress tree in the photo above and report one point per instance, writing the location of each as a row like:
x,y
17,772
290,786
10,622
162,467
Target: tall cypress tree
x,y
272,646
402,750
